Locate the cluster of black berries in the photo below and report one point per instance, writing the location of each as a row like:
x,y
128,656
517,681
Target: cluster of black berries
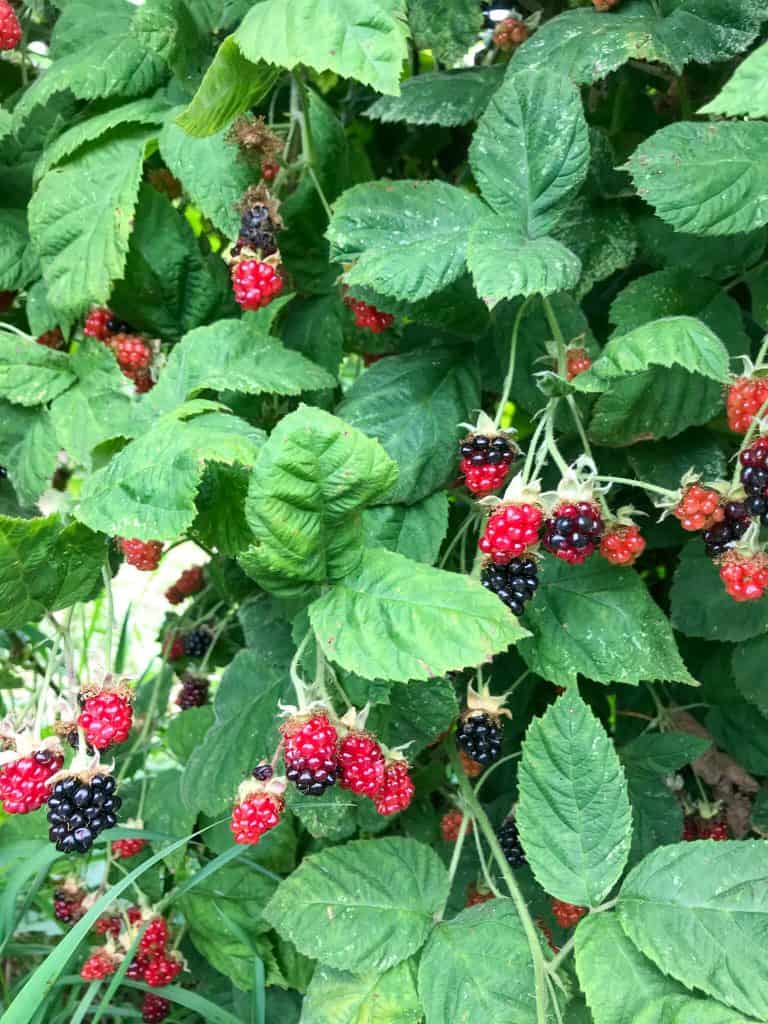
x,y
479,735
79,809
723,535
513,583
509,841
257,232
754,479
197,642
574,531
481,450
193,692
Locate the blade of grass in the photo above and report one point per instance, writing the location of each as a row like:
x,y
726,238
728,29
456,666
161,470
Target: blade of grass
x,y
208,1011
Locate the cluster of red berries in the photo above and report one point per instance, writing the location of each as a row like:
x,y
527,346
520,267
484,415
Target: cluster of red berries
x,y
316,758
141,554
133,353
622,545
51,339
450,823
190,582
746,397
106,716
368,316
124,848
699,508
695,827
510,33
577,360
152,963
25,782
567,914
10,29
255,283
485,461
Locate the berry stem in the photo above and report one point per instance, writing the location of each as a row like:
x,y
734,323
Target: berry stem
x,y
753,428
66,640
298,683
221,626
142,737
42,695
557,334
306,141
497,764
622,480
484,865
453,866
481,818
507,388
107,577
456,538
549,437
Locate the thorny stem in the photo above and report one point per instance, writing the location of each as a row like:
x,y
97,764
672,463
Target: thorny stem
x,y
511,368
106,576
481,819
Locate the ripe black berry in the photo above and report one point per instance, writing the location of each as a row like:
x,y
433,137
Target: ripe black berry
x,y
78,810
193,692
513,583
723,535
263,772
312,781
754,478
258,231
74,741
197,642
479,736
509,840
117,326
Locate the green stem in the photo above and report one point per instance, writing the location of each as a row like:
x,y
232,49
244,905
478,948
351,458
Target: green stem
x,y
540,428
497,764
557,334
625,481
481,819
107,577
142,737
64,633
554,451
49,668
298,683
453,866
456,538
307,143
484,867
511,368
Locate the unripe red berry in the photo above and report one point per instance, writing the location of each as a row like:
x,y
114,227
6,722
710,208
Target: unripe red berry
x,y
397,789
567,914
99,965
745,576
362,764
310,747
142,554
577,361
255,815
623,545
511,531
155,937
10,29
269,169
369,317
162,969
132,353
106,718
108,924
96,323
746,397
122,848
154,1009
699,508
471,768
52,339
510,33
255,283
450,823
24,783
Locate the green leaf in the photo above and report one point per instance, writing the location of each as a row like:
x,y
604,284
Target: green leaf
x,y
447,98
186,731
663,752
45,567
602,237
81,217
408,238
574,610
31,374
586,46
673,341
505,264
717,257
30,449
686,1010
366,43
677,292
211,171
164,812
573,811
230,86
150,111
307,492
701,607
338,997
531,150
616,978
243,734
225,922
666,462
168,286
148,490
222,487
736,729
233,355
97,408
446,27
749,672
416,531
413,404
746,92
657,815
417,715
341,907
459,985
18,261
397,619
705,178
698,911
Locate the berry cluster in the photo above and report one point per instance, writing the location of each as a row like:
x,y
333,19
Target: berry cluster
x,y
567,914
142,554
10,29
450,824
754,479
257,231
622,545
190,582
79,808
577,360
695,827
68,902
197,642
479,735
699,508
573,531
368,316
25,782
255,283
746,397
745,575
310,749
510,33
485,461
511,530
133,353
256,811
193,692
51,339
123,848
106,717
